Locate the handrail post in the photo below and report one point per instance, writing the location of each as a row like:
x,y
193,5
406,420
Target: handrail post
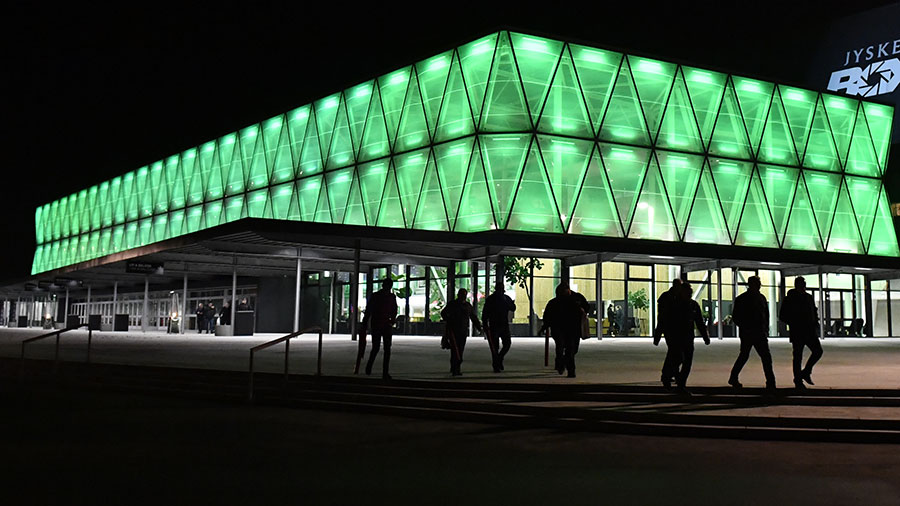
x,y
90,336
287,355
319,359
250,393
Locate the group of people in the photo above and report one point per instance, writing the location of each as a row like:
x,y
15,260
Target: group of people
x,y
207,314
679,314
565,318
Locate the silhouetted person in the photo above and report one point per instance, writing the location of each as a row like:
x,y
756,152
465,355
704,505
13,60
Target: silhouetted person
x,y
799,312
225,318
611,318
689,316
751,314
201,318
457,314
495,317
210,318
562,316
669,327
381,311
243,305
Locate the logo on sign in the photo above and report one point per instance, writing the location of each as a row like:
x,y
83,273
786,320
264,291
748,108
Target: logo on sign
x,y
876,78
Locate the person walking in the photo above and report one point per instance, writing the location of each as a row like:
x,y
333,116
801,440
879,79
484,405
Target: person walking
x,y
381,312
225,317
799,312
457,314
495,317
667,327
751,314
688,315
562,316
211,318
201,317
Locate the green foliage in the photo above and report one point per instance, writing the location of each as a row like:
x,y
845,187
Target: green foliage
x,y
402,292
639,299
518,271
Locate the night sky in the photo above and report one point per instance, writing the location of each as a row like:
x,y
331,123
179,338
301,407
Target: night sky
x,y
96,92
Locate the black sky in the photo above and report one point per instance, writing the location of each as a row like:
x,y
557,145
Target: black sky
x,y
97,91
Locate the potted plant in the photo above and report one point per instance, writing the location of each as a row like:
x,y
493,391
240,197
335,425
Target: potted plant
x,y
640,302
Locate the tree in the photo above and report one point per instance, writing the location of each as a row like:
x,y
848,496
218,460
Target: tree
x,y
639,301
518,272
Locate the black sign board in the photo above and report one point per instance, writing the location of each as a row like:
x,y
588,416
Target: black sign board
x,y
144,268
67,282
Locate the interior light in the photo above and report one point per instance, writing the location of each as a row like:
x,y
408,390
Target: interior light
x,y
662,257
592,56
541,250
769,263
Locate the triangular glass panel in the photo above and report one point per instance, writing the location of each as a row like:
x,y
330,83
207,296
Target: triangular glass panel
x,y
413,130
298,120
294,209
357,101
94,216
281,197
118,202
777,144
475,212
455,117
534,209
340,154
729,136
141,190
106,237
707,223
431,213
258,171
311,155
105,206
283,163
452,160
624,120
213,214
355,213
537,59
505,108
755,98
259,205
145,227
174,178
864,194
390,214
235,209
880,118
393,88
566,161
272,129
884,237
323,210
326,114
823,193
131,239
117,243
371,181
597,70
565,112
252,153
799,105
158,183
779,184
653,79
475,59
308,191
678,129
595,213
732,179
375,139
653,216
844,236
410,170
432,77
175,226
158,231
625,168
234,176
338,187
861,157
215,183
128,196
755,228
681,174
841,117
820,150
706,89
503,157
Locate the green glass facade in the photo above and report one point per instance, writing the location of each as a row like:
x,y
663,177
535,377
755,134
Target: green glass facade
x,y
518,132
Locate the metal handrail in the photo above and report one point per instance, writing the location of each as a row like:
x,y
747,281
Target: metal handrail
x,y
287,348
56,333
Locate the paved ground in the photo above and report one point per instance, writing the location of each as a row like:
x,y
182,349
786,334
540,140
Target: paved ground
x,y
101,448
847,363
